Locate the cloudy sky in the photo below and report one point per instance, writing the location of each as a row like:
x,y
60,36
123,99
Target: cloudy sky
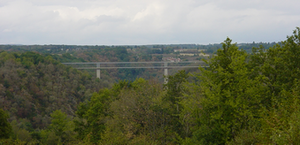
x,y
119,22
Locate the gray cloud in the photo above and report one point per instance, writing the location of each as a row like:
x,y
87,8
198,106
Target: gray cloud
x,y
145,22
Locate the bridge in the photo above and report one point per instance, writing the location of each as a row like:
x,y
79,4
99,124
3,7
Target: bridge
x,y
136,65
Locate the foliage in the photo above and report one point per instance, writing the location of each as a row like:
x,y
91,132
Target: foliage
x,y
136,115
241,98
230,101
173,96
62,126
33,86
248,98
5,127
92,115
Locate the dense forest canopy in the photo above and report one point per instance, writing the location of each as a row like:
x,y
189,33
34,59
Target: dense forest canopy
x,y
241,98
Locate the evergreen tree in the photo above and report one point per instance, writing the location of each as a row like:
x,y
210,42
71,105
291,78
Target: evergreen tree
x,y
230,99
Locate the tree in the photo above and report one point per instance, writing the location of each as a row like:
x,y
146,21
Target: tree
x,y
91,116
279,65
5,127
138,116
62,126
173,97
230,99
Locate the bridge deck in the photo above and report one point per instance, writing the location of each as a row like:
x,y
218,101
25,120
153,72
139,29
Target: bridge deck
x,y
135,65
153,67
147,62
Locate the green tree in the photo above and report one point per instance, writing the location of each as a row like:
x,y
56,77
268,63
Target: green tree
x,y
91,116
279,65
62,126
138,116
174,94
230,99
5,127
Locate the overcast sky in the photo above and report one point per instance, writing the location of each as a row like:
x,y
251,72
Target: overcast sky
x,y
120,22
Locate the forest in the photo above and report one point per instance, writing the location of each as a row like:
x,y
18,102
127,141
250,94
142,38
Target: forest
x,y
243,97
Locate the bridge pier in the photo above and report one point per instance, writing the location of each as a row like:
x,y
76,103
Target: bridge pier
x,y
166,72
98,70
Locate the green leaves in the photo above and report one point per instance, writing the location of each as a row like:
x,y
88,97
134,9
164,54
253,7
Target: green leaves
x,y
5,127
58,122
62,126
92,115
230,97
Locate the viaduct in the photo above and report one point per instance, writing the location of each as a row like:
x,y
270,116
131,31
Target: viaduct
x,y
135,65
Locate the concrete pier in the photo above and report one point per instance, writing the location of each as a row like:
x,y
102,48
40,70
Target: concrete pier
x,y
98,70
166,72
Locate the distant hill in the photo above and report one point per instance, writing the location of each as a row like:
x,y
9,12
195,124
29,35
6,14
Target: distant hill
x,y
33,85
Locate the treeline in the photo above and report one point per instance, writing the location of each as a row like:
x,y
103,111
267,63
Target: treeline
x,y
241,98
212,48
149,49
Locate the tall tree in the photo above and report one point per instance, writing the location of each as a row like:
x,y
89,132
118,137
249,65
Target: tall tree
x,y
230,99
174,94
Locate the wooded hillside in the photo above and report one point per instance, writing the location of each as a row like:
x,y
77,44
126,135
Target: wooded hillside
x,y
241,98
32,86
